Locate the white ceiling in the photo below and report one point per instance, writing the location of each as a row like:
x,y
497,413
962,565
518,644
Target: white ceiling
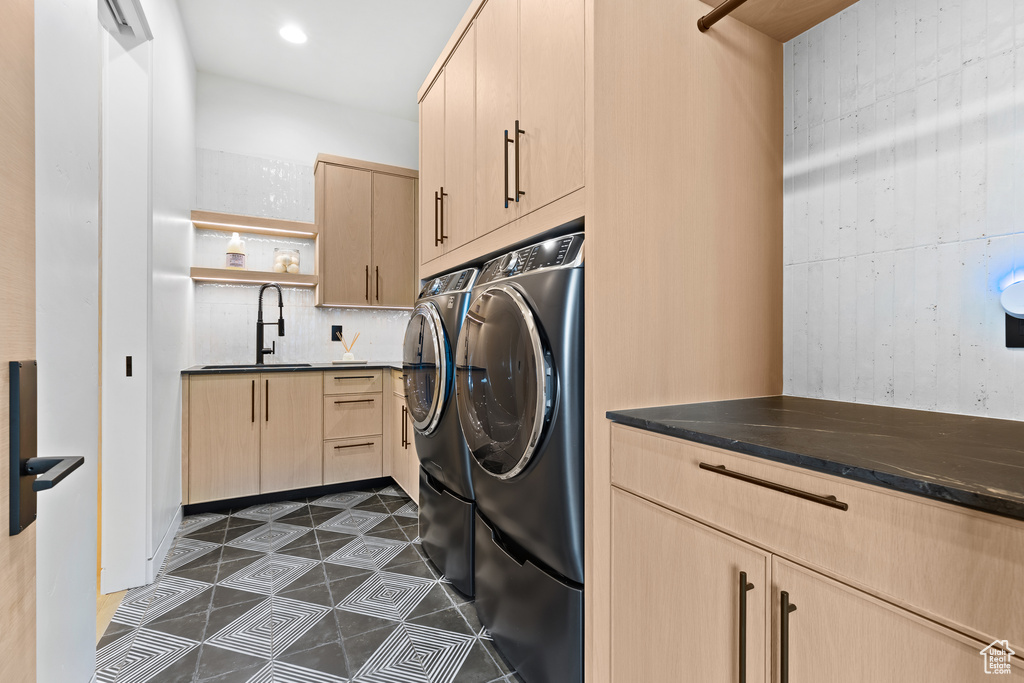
x,y
370,54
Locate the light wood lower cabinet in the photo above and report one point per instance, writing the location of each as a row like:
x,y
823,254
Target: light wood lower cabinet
x,y
291,432
405,464
224,437
352,415
678,599
353,459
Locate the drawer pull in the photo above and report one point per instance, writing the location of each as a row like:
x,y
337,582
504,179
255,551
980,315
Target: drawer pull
x,y
357,377
744,588
786,607
354,445
829,501
356,400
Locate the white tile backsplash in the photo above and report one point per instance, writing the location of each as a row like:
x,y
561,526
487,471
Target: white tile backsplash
x,y
904,198
225,324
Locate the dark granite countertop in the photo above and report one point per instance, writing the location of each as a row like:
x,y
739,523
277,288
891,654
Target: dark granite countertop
x,y
271,367
976,462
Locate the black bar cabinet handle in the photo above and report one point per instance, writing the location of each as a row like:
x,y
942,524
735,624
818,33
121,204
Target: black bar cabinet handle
x,y
356,377
405,427
358,400
367,281
437,199
353,445
829,501
519,131
267,418
744,588
252,400
443,195
377,269
786,608
504,188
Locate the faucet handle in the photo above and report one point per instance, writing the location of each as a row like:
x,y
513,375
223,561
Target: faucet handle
x,y
272,349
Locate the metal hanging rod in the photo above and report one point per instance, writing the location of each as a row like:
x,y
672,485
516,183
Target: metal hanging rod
x,y
712,17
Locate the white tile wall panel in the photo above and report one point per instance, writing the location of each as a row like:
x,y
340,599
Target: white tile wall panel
x,y
225,323
904,199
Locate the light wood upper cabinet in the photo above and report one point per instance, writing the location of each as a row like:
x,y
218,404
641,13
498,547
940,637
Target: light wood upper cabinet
x,y
366,220
431,169
394,240
345,235
224,437
551,100
497,108
459,185
291,431
683,578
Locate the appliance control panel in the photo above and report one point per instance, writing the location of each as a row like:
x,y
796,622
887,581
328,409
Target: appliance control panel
x,y
452,283
560,252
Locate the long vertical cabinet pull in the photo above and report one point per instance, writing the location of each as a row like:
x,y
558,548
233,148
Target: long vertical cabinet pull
x,y
377,269
437,200
267,398
519,131
744,588
367,282
443,195
786,607
509,141
252,402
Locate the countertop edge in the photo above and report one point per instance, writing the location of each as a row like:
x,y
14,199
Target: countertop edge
x,y
925,489
313,367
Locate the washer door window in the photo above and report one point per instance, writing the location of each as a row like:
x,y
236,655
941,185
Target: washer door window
x,y
502,381
427,367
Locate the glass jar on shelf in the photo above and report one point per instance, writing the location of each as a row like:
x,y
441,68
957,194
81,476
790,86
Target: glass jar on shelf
x,y
286,261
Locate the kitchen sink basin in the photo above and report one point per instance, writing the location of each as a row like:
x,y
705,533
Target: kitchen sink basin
x,y
253,366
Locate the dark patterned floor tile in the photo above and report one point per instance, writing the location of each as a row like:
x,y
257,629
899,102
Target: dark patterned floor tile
x,y
479,666
327,536
114,632
218,526
469,614
191,626
226,665
195,605
232,555
393,503
329,658
242,522
314,577
449,619
221,617
301,520
415,568
323,632
318,594
457,597
372,505
309,551
436,601
409,523
223,597
387,527
207,573
407,556
361,647
338,572
214,536
181,671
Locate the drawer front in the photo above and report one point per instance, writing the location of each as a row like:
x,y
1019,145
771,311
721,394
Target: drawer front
x,y
961,567
398,382
352,382
352,415
352,459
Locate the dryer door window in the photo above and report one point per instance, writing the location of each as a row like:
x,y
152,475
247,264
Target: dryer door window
x,y
503,381
427,367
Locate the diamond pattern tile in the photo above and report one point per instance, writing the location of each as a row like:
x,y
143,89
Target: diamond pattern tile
x,y
195,625
353,521
269,537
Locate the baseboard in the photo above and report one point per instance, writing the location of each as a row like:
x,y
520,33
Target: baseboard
x,y
154,563
246,501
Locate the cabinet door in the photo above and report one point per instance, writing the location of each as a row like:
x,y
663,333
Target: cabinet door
x,y
460,143
224,437
841,635
676,599
291,441
497,108
551,100
431,169
352,459
399,470
345,239
394,235
412,461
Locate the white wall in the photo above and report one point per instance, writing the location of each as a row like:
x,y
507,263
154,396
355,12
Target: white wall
x,y
251,120
904,187
67,38
225,315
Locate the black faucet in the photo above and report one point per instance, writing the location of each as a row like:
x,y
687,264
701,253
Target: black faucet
x,y
260,351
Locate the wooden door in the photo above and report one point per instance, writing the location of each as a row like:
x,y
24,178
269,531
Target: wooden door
x,y
551,100
394,235
291,431
676,598
345,238
18,330
224,436
497,108
460,143
841,635
431,169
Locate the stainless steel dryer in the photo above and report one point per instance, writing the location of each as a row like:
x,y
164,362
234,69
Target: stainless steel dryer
x,y
519,385
446,490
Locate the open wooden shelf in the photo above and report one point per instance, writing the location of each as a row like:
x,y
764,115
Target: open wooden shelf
x,y
254,277
227,222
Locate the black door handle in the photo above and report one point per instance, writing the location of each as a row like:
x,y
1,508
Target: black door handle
x,y
377,270
504,189
744,588
519,131
786,608
443,195
437,200
50,471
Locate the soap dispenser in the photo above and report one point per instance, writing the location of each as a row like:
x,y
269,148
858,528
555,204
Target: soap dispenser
x,y
236,253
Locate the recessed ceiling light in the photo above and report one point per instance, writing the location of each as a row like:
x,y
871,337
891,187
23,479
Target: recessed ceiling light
x,y
293,34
